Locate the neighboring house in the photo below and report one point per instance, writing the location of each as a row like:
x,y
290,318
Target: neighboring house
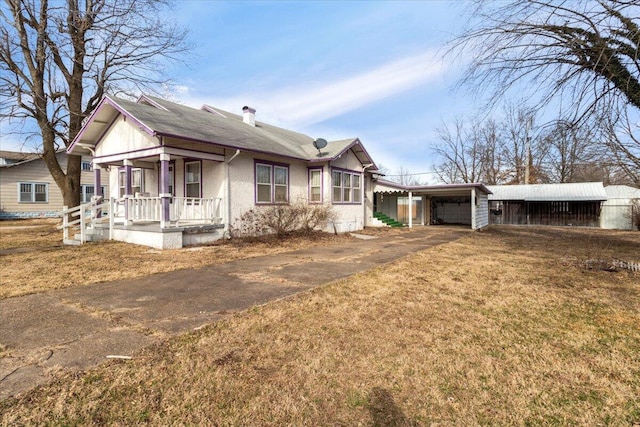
x,y
463,204
27,189
573,204
182,176
618,210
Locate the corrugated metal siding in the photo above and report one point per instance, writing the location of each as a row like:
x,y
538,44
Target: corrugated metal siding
x,y
572,192
482,210
35,171
616,216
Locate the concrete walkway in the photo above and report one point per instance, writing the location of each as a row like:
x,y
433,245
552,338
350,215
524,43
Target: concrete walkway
x,y
81,327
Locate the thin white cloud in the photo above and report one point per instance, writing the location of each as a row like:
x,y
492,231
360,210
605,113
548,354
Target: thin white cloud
x,y
305,104
308,105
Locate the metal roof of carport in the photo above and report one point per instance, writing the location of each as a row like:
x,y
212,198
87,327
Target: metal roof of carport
x,y
382,186
571,192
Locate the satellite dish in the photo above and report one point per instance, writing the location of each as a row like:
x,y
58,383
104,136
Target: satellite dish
x,y
320,143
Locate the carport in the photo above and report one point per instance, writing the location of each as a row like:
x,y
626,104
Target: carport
x,y
463,204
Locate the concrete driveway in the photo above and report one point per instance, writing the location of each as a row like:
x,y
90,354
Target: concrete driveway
x,y
78,328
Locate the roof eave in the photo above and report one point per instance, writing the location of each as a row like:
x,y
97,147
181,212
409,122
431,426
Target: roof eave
x,y
106,100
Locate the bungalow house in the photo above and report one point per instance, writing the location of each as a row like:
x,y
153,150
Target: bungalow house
x,y
27,189
180,176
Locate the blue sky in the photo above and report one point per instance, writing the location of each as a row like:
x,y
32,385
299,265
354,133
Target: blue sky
x,y
329,69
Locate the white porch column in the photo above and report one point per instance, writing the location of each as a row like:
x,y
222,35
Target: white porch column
x,y
410,209
473,208
128,164
164,190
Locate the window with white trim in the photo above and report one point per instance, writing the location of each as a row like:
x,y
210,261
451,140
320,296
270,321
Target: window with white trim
x,y
192,179
137,181
33,192
357,194
346,187
272,183
315,185
86,167
88,191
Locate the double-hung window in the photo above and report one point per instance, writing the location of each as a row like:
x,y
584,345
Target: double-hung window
x,y
86,166
346,187
315,185
88,191
137,181
193,179
272,183
357,194
33,192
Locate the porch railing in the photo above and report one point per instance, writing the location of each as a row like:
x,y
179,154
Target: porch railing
x,y
188,209
84,218
182,210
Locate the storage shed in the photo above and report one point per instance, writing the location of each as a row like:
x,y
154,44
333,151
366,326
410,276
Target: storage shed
x,y
573,204
618,210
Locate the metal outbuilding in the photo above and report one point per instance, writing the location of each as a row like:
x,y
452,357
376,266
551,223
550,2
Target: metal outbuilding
x,y
572,204
619,209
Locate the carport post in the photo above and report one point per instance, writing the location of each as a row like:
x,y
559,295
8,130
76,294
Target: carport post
x,y
410,209
473,208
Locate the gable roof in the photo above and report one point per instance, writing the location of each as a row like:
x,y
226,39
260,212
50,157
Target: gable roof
x,y
159,117
622,192
571,192
13,158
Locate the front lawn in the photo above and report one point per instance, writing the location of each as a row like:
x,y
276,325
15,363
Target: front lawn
x,y
511,326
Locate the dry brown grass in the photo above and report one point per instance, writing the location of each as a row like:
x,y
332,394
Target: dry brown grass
x,y
499,328
34,260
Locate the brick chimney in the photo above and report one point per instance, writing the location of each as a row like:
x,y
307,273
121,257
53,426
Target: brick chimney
x,y
249,115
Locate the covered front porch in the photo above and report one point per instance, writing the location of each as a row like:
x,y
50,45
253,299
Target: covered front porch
x,y
140,220
164,197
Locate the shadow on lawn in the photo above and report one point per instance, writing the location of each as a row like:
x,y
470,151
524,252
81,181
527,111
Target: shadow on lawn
x,y
384,411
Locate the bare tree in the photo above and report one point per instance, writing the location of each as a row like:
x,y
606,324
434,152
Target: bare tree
x,y
490,151
523,149
574,155
462,153
581,56
404,176
57,61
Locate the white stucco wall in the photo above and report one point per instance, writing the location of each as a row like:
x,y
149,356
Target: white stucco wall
x,y
242,193
121,137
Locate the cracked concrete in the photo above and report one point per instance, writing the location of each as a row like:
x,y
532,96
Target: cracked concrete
x,y
77,328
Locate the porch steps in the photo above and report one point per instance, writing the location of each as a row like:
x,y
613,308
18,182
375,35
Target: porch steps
x,y
73,242
387,220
